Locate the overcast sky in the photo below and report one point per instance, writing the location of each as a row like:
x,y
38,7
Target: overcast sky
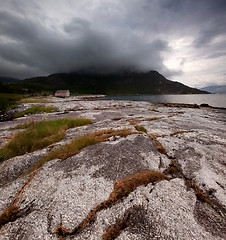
x,y
185,40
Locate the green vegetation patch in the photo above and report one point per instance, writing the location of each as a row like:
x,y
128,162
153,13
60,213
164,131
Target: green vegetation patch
x,y
35,100
39,135
33,110
140,128
8,101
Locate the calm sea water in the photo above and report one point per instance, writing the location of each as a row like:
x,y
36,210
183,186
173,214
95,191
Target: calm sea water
x,y
214,100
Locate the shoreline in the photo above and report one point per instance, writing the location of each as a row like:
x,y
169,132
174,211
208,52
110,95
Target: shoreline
x,y
215,100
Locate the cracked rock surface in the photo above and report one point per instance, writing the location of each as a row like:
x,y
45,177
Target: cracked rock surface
x,y
63,192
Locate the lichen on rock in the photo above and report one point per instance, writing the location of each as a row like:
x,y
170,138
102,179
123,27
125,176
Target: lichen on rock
x,y
105,190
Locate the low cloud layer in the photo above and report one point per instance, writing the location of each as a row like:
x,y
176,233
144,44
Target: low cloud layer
x,y
182,39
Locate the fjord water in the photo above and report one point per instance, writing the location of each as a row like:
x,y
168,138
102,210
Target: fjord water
x,y
214,100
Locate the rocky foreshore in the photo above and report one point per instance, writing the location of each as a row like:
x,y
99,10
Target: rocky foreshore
x,y
156,172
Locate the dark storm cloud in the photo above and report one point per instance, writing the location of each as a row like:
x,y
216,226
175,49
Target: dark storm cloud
x,y
47,51
206,18
111,36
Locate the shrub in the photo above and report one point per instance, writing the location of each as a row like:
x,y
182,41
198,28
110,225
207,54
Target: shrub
x,y
8,100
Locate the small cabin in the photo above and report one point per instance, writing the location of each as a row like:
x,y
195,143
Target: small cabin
x,y
62,93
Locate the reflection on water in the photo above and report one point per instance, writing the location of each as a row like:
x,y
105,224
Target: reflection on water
x,y
215,100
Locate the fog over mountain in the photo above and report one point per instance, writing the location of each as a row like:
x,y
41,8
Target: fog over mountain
x,y
215,89
182,39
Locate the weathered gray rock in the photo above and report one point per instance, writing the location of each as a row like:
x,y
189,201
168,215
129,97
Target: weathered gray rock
x,y
64,192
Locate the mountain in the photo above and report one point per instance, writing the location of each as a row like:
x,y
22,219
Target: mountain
x,y
124,82
215,89
7,79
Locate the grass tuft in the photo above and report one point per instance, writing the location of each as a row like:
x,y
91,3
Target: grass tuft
x,y
61,232
154,110
35,100
159,146
12,212
67,150
122,188
79,143
174,169
9,215
127,185
179,132
199,193
114,231
140,128
153,118
39,135
33,110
